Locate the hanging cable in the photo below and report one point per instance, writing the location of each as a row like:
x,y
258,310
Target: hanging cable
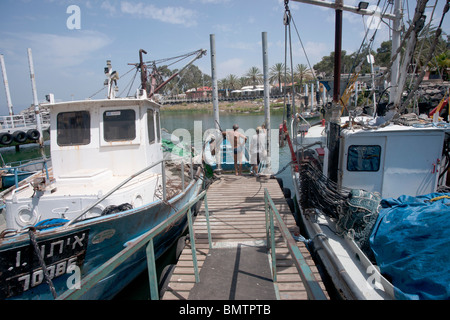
x,y
286,22
304,51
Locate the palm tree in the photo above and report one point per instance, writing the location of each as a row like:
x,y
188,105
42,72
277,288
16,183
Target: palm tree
x,y
255,76
302,73
276,73
232,82
243,81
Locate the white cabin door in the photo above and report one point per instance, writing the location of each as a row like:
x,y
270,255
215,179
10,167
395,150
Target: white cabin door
x,y
412,164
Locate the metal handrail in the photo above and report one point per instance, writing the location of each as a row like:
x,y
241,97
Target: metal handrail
x,y
312,287
133,246
121,185
26,164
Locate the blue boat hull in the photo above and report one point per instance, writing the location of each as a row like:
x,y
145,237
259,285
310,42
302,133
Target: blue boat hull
x,y
88,244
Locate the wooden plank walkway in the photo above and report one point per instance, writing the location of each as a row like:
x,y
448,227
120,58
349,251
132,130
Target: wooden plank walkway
x,y
237,216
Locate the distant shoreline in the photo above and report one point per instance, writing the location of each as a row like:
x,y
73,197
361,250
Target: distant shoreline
x,y
224,107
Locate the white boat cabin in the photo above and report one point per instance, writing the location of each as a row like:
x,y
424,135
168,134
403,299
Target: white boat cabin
x,y
104,137
394,160
95,146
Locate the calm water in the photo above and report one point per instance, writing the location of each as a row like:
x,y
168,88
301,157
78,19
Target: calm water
x,y
190,126
176,122
186,123
190,122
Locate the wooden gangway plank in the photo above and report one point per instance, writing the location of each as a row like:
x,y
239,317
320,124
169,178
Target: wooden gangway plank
x,y
237,219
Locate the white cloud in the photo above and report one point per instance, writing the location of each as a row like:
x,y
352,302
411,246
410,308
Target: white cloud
x,y
242,45
211,1
108,7
173,15
232,66
315,51
59,50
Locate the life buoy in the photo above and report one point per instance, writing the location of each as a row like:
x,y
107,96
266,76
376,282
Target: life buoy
x,y
19,136
33,134
6,138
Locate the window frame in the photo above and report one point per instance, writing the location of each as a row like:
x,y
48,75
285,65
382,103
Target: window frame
x,y
349,157
106,124
86,129
135,141
153,135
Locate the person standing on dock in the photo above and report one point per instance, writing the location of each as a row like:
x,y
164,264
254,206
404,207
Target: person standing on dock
x,y
257,148
237,141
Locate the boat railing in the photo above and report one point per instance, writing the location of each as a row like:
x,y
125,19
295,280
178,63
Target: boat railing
x,y
18,121
132,246
15,169
312,287
124,182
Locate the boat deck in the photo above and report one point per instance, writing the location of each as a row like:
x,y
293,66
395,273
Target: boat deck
x,y
238,266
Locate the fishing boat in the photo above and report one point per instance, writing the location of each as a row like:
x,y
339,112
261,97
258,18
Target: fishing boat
x,y
108,185
372,196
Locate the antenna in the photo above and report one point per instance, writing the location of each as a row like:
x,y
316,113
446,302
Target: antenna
x,y
111,79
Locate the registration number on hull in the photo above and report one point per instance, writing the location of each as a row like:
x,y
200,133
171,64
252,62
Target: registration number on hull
x,y
21,271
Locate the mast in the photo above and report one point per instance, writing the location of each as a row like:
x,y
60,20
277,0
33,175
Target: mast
x,y
396,39
143,69
5,81
212,39
266,96
215,97
337,52
335,122
36,102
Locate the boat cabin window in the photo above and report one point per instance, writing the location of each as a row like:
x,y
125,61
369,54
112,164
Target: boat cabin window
x,y
150,126
363,158
119,125
73,128
158,129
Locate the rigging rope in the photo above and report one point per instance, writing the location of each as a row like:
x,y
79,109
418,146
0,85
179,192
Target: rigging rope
x,y
38,253
429,57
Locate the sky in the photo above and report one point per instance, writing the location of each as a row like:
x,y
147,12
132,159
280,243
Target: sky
x,y
71,40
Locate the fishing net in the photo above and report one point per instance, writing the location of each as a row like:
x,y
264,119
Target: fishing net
x,y
355,211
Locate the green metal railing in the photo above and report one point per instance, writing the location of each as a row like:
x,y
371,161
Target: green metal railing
x,y
312,287
134,245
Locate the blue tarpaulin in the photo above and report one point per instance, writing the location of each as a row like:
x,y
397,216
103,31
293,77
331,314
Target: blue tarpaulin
x,y
411,243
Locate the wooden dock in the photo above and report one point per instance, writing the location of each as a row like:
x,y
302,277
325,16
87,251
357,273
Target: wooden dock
x,y
237,220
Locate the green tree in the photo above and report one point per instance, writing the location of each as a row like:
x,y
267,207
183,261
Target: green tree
x,y
243,81
255,76
276,74
191,77
302,73
232,82
383,55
